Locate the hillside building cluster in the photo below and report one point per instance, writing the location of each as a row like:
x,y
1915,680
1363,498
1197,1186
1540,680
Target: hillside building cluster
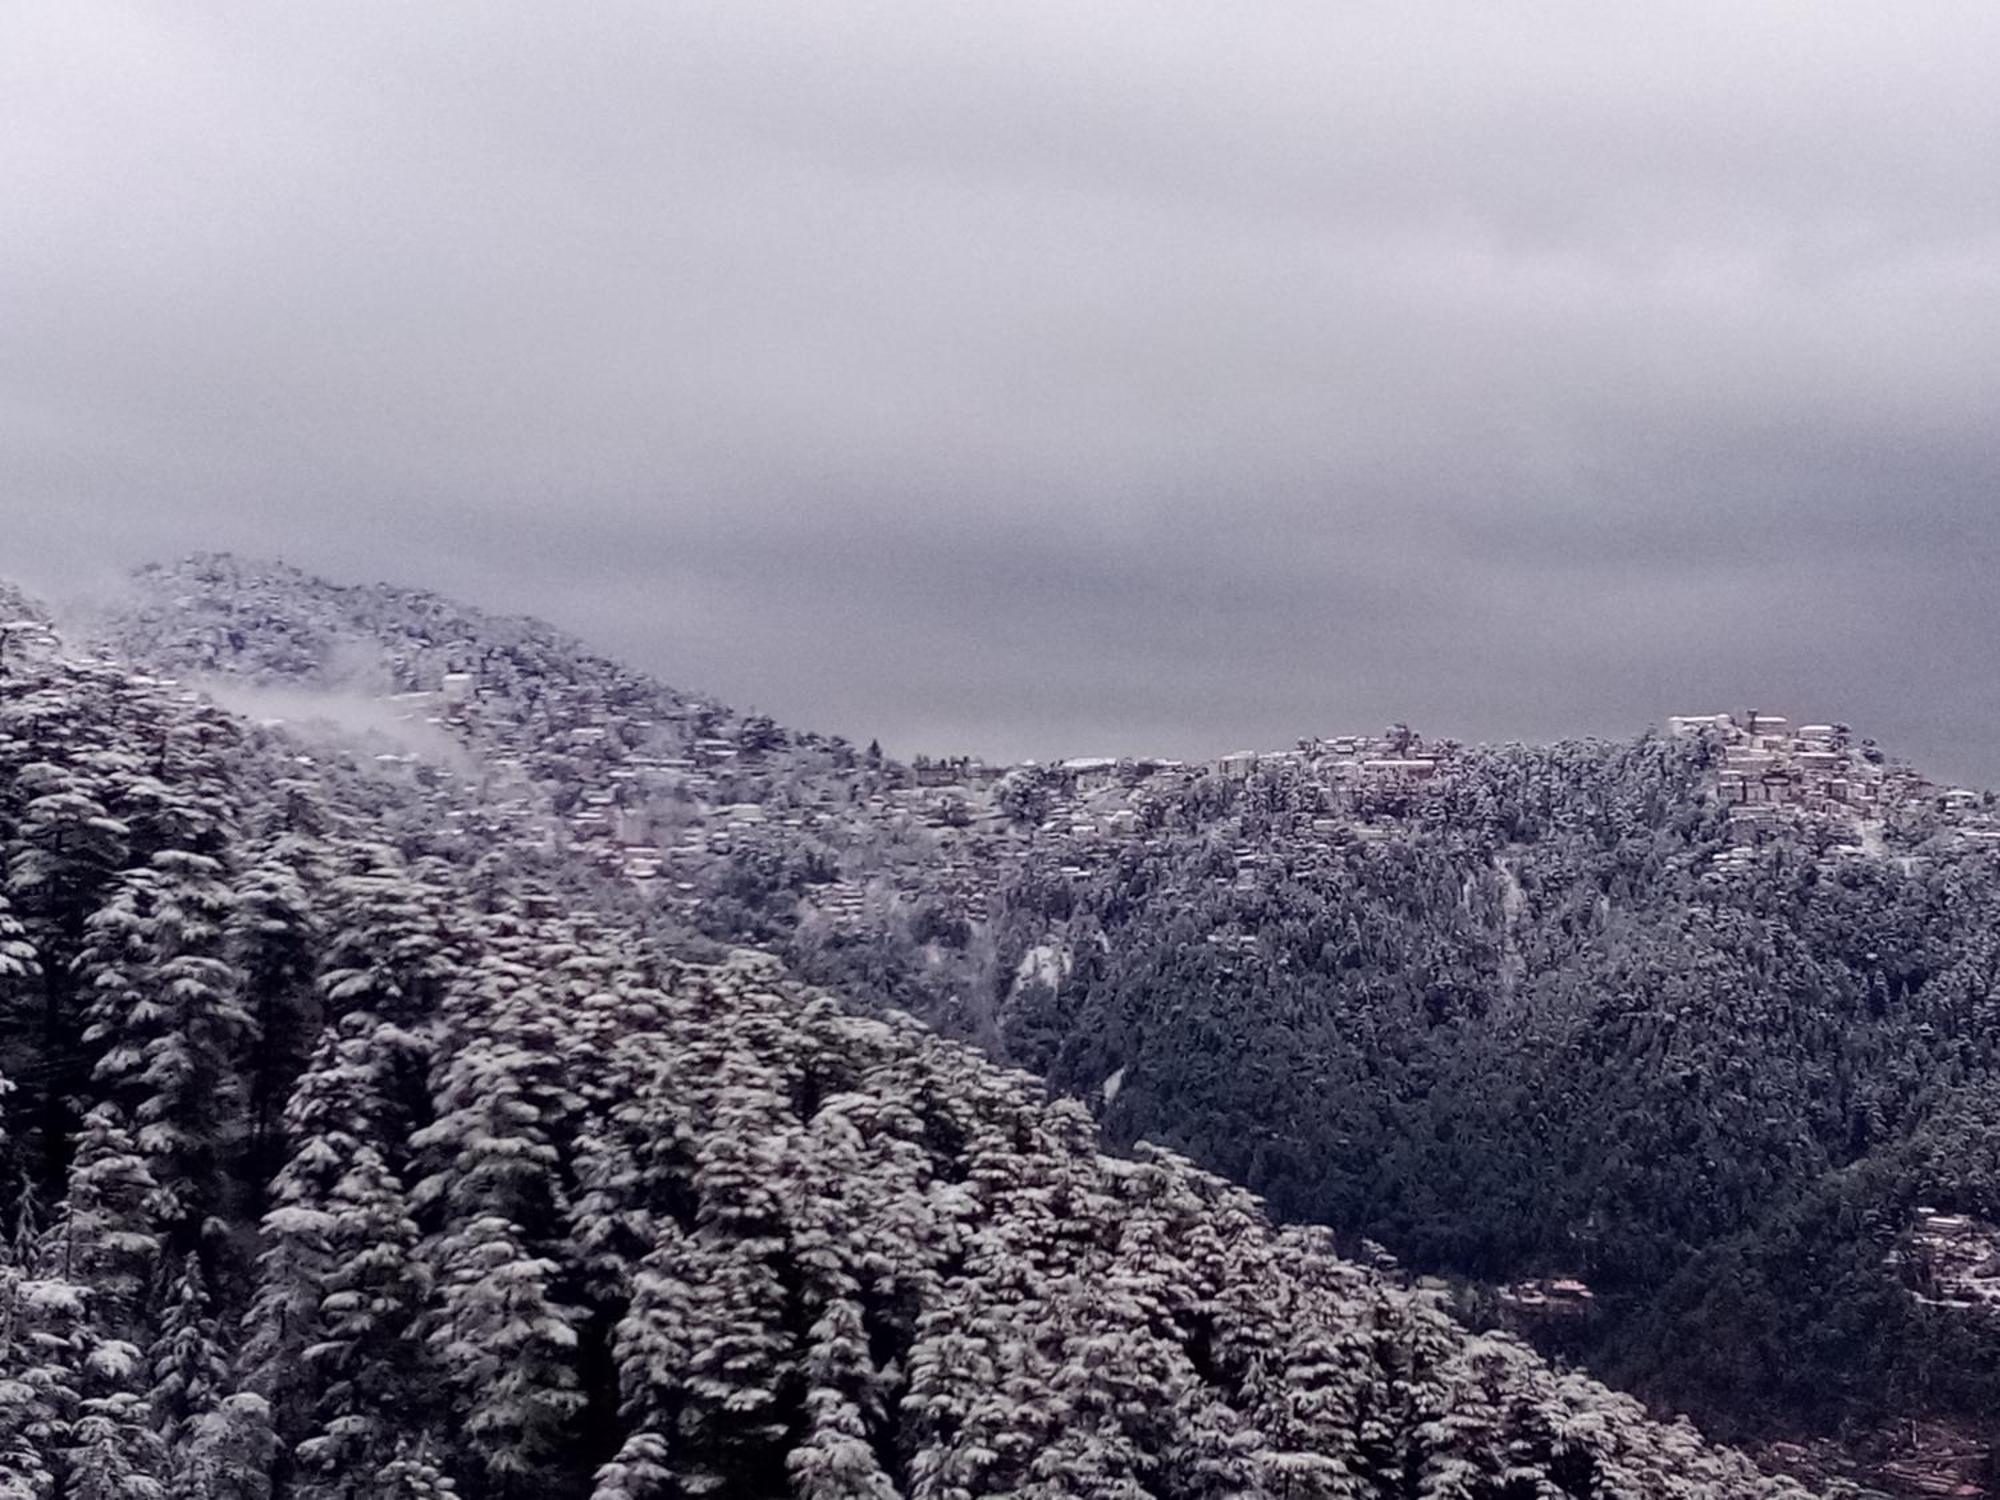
x,y
522,738
1773,772
659,789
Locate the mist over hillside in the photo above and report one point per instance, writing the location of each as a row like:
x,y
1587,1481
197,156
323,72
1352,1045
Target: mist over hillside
x,y
361,1148
1662,1054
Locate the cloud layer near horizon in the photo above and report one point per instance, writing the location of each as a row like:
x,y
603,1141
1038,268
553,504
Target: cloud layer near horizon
x,y
1044,379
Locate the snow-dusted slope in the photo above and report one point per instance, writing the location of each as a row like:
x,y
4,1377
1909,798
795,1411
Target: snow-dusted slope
x,y
351,1170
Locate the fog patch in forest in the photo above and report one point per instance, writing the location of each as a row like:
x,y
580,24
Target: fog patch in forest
x,y
342,712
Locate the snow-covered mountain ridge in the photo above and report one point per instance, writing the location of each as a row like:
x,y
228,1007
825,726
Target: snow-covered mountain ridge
x,y
1581,1014
356,1157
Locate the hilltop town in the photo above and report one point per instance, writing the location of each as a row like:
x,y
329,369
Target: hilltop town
x,y
1773,773
704,811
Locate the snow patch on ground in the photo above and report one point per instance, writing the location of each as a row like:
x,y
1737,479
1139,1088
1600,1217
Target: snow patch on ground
x,y
1045,963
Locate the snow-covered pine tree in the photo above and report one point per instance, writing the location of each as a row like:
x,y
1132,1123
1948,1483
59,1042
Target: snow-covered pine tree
x,y
227,1453
1411,1343
19,970
273,947
973,1408
838,1457
168,1023
503,1330
1122,1379
66,850
634,1161
394,949
26,1225
1459,1447
413,1474
654,1348
103,1236
1307,1388
1098,1385
953,1368
742,1380
333,1112
103,1257
95,1268
371,1383
114,1453
20,966
189,1367
44,1338
1216,1454
1036,1209
510,1348
634,1167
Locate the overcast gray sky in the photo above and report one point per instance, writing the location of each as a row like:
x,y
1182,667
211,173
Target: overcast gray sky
x,y
1035,379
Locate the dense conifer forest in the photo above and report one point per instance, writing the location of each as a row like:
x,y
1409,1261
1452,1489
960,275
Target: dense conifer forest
x,y
1556,1023
1543,1033
351,1156
1542,1019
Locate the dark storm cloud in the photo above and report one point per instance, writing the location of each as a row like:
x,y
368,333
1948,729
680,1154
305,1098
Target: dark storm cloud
x,y
1048,378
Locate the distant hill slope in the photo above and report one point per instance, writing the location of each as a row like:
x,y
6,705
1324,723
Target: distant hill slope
x,y
1522,1013
353,1158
